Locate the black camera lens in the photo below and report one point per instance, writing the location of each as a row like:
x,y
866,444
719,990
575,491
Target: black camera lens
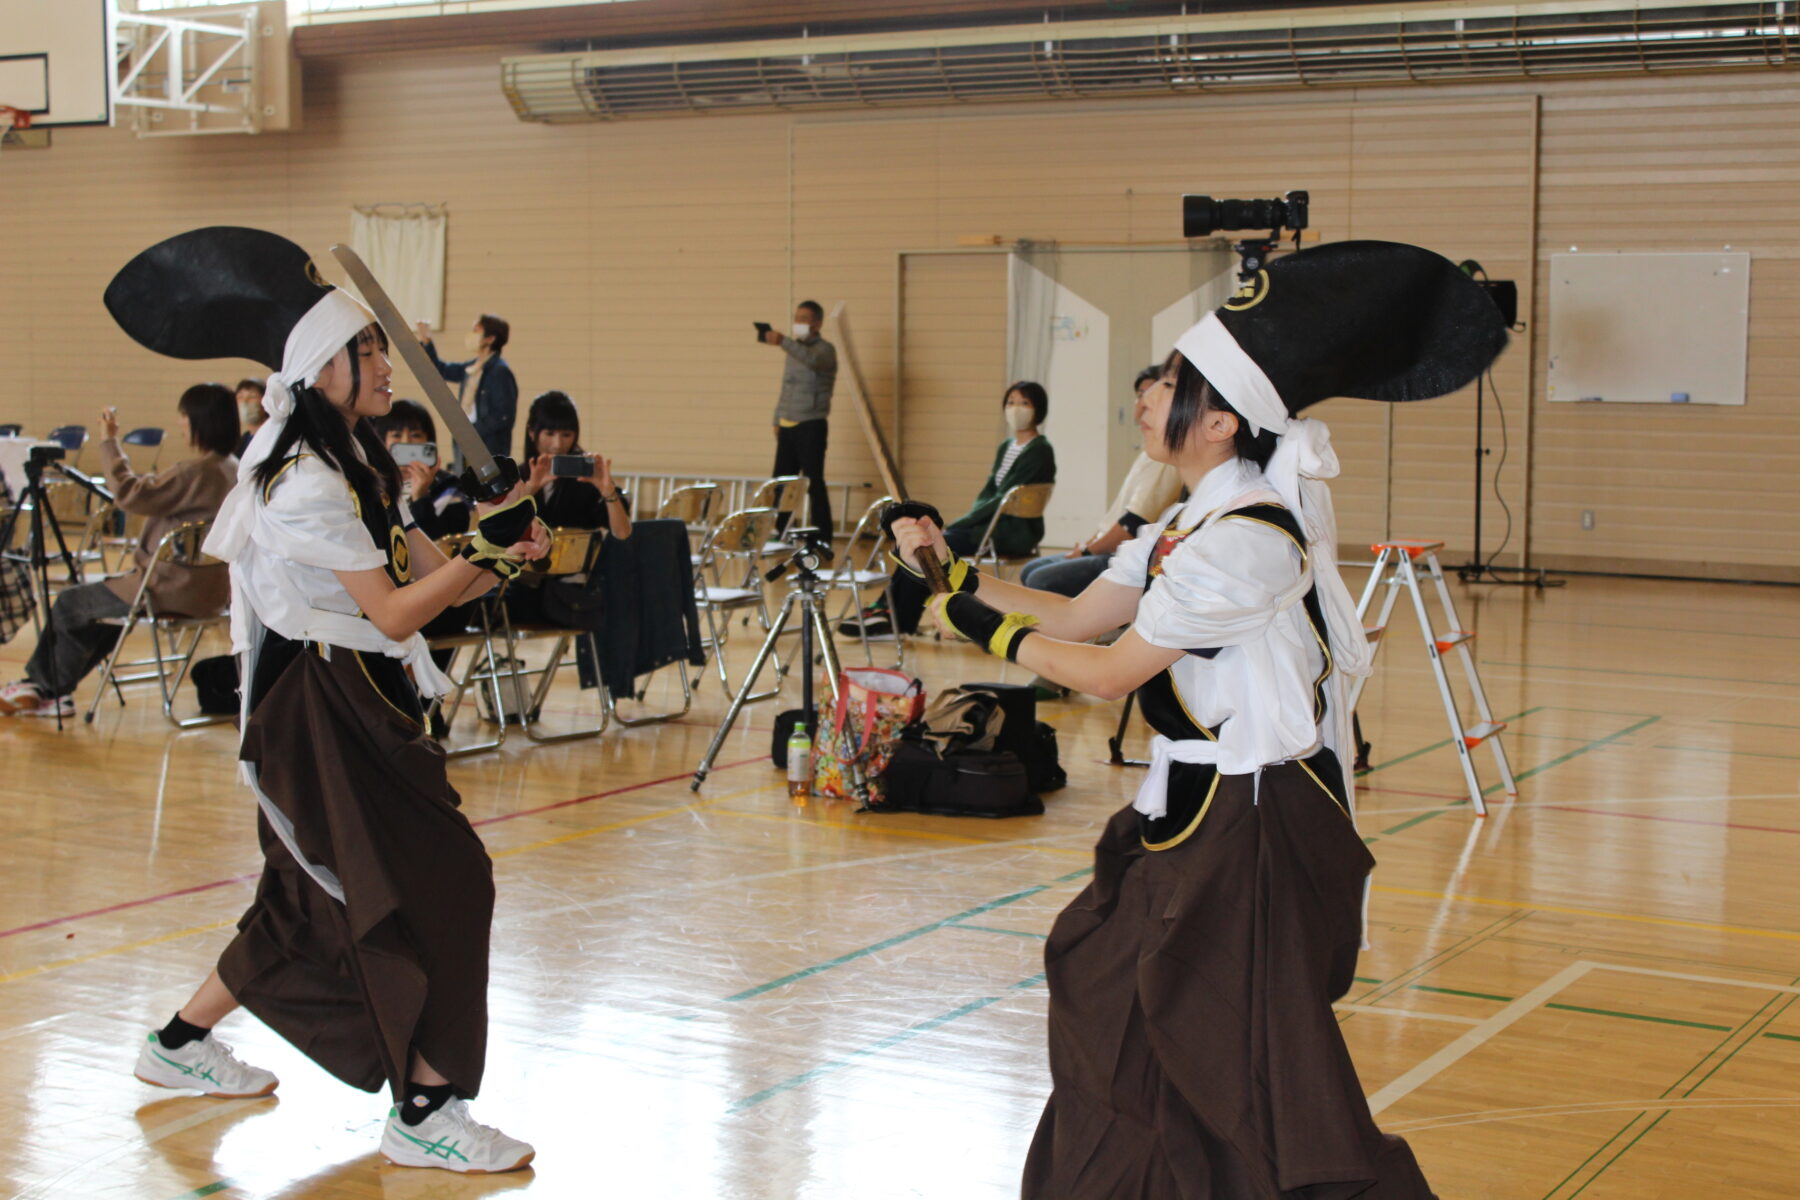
x,y
1203,215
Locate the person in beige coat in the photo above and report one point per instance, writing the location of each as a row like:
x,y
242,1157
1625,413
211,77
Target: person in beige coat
x,y
76,640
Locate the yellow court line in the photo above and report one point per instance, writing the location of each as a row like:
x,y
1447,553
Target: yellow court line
x,y
1642,919
41,968
927,834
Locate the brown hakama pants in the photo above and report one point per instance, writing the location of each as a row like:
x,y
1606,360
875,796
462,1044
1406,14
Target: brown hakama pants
x,y
401,964
1193,1049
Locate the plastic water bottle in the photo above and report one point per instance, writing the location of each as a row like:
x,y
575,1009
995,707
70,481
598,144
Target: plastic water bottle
x,y
799,765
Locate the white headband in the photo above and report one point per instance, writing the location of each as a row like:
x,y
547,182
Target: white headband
x,y
1234,374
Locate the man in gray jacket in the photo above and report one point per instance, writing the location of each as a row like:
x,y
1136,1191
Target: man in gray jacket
x,y
801,415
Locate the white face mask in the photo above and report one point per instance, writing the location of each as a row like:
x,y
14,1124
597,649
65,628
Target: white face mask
x,y
802,332
472,341
250,412
1019,417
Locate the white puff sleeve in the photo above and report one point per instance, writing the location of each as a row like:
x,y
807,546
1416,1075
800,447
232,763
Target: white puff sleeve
x,y
311,518
1223,586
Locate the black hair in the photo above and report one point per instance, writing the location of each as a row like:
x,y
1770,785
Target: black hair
x,y
212,416
1194,398
554,411
496,328
1034,394
318,425
405,415
1149,374
814,307
251,385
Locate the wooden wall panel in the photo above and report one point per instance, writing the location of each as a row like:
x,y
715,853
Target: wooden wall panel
x,y
954,349
632,257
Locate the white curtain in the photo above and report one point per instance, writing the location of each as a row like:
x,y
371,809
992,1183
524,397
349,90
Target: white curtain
x,y
403,244
1031,302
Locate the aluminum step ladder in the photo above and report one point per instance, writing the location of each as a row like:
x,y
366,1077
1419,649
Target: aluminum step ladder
x,y
1399,564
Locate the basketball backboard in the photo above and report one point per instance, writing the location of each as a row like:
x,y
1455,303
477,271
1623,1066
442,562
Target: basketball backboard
x,y
55,58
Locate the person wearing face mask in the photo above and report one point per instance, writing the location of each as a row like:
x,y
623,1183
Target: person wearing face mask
x,y
490,393
802,414
250,411
1024,457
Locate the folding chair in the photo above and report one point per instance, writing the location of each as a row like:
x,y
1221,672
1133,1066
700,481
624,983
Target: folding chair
x,y
483,667
1028,500
742,534
148,437
786,494
851,577
692,505
71,438
11,430
180,547
572,552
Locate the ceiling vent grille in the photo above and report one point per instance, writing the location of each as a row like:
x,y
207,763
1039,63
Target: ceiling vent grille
x,y
1101,59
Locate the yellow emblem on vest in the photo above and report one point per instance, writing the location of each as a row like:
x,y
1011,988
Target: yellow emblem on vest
x,y
1251,294
399,553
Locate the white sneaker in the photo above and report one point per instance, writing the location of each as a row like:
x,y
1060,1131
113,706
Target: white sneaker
x,y
207,1066
452,1140
49,707
17,697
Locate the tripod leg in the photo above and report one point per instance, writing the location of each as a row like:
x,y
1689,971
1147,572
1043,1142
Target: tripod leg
x,y
744,692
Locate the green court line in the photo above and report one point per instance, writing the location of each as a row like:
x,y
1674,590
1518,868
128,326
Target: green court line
x,y
1411,821
1754,724
1559,760
1607,1012
1466,943
211,1189
1492,662
1393,762
1444,991
876,1047
1360,979
990,929
1783,1037
1733,753
1072,876
1621,1154
885,944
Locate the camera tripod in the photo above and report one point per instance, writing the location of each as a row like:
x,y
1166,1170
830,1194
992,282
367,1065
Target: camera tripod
x,y
804,595
35,556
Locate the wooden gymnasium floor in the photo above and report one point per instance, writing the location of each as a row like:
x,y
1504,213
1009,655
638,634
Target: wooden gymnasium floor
x,y
1594,993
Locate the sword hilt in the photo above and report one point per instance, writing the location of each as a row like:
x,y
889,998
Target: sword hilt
x,y
493,484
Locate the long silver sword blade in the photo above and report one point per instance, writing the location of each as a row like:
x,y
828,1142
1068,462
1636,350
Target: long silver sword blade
x,y
401,336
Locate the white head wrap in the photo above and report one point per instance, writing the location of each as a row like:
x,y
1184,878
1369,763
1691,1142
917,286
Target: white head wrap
x,y
313,342
1302,462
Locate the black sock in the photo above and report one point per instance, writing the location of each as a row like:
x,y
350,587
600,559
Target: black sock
x,y
178,1033
423,1099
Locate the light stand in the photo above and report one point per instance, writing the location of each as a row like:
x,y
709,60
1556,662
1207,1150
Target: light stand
x,y
1505,295
806,560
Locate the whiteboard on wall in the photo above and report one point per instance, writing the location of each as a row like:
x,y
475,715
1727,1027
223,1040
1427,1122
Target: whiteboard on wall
x,y
1649,328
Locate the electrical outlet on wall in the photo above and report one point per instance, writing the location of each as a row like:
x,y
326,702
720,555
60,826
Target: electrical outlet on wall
x,y
1587,518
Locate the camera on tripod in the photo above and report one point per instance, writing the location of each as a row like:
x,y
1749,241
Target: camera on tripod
x,y
809,550
42,456
1202,216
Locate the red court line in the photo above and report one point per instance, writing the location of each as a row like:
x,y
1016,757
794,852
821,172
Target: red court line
x,y
219,883
1601,812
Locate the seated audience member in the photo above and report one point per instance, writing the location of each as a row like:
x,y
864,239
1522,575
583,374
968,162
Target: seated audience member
x,y
75,642
250,411
1149,489
594,501
1024,457
433,493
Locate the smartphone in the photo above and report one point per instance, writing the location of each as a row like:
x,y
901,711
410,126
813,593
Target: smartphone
x,y
578,466
762,328
414,452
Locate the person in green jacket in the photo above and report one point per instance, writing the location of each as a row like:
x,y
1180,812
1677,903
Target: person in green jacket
x,y
1024,457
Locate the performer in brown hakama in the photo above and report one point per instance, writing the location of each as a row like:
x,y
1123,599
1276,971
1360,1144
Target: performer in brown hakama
x,y
366,945
1193,1049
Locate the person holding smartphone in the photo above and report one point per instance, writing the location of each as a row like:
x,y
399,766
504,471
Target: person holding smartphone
x,y
574,489
438,504
802,414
